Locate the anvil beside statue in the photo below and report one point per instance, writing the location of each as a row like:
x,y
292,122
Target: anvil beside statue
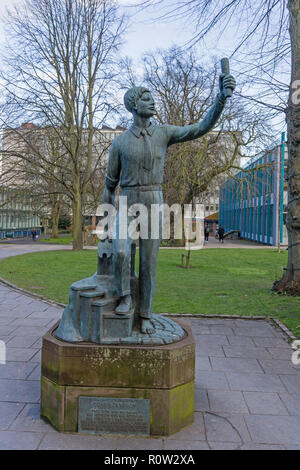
x,y
91,313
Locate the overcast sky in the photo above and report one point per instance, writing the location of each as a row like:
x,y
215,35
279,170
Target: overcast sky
x,y
144,35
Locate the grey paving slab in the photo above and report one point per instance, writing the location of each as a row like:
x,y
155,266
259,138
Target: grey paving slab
x,y
248,446
202,363
244,341
45,314
247,352
16,370
221,330
13,440
224,445
22,341
16,312
201,330
29,420
291,382
247,323
251,382
201,400
38,344
7,305
8,412
211,322
59,441
227,401
20,391
32,321
279,366
36,374
211,380
5,321
274,429
292,402
139,444
51,310
237,422
218,340
7,330
235,364
265,403
30,330
263,342
5,338
221,429
262,447
185,445
266,332
194,432
37,357
281,353
19,354
205,349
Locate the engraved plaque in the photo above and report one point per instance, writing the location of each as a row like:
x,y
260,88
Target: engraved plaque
x,y
97,415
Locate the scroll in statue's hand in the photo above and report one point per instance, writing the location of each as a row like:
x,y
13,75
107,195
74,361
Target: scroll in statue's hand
x,y
226,81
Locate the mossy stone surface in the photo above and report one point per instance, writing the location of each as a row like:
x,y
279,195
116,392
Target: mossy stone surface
x,y
163,366
164,374
53,403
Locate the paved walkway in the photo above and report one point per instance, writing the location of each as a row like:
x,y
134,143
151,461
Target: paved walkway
x,y
14,249
247,389
237,243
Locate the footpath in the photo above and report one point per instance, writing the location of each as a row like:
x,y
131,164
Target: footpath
x,y
247,389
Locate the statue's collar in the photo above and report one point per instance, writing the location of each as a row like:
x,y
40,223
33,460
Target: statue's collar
x,y
137,130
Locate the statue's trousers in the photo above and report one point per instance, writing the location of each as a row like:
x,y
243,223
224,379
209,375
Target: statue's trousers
x,y
142,207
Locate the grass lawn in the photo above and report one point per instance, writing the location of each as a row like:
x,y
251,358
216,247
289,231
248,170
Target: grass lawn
x,y
58,241
227,281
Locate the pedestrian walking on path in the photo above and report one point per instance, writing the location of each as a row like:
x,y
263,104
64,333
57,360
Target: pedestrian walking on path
x,y
221,232
206,233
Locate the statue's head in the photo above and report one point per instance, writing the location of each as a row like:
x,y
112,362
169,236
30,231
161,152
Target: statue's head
x,y
139,100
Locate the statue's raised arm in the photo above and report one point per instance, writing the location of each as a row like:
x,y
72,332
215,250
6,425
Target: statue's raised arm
x,y
178,134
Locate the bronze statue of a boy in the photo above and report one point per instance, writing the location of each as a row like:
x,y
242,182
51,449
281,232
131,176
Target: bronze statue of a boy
x,y
136,162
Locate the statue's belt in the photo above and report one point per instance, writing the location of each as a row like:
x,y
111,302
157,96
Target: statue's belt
x,y
155,187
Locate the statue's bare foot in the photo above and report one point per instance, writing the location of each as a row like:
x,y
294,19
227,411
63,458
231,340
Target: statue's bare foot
x,y
124,305
147,326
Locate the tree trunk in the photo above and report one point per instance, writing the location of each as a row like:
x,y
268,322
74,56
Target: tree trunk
x,y
290,282
55,210
77,224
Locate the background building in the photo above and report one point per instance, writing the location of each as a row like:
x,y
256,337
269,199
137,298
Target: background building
x,y
254,202
17,219
25,194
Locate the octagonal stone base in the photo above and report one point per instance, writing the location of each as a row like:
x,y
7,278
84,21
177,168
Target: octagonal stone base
x,y
164,374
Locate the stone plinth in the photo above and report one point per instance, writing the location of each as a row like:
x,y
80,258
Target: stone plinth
x,y
163,374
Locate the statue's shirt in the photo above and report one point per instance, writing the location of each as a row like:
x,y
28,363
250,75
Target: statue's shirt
x,y
138,160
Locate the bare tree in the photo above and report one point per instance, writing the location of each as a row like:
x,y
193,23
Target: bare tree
x,y
59,72
184,90
269,33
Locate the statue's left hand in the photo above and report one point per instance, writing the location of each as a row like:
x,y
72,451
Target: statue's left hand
x,y
226,81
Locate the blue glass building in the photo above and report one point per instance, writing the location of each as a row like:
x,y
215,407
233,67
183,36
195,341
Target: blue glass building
x,y
253,201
